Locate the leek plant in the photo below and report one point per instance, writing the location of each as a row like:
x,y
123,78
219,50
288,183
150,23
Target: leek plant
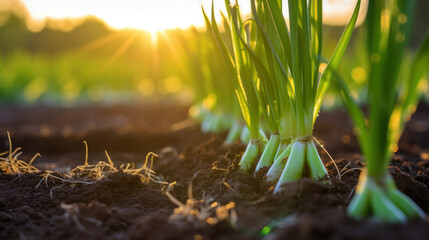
x,y
290,85
393,93
220,104
244,76
214,103
293,65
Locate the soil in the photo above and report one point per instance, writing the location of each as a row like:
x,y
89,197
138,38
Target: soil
x,y
121,206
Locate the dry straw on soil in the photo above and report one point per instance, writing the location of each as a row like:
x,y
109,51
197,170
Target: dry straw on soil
x,y
83,174
201,212
10,164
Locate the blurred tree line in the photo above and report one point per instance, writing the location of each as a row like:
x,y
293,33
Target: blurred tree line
x,y
90,62
15,35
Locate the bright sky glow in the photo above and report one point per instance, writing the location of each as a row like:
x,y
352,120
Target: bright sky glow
x,y
338,12
155,15
150,15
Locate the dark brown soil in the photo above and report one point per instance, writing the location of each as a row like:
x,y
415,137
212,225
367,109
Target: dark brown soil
x,y
122,207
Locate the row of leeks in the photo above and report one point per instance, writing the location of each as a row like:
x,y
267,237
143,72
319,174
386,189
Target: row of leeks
x,y
276,71
280,79
214,101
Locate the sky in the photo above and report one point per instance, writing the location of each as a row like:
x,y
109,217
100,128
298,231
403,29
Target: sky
x,y
150,15
155,15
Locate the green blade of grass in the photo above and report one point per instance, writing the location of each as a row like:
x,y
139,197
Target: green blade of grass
x,y
412,91
356,113
335,59
245,84
286,91
316,20
280,25
221,44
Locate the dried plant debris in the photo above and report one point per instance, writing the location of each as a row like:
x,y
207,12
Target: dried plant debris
x,y
101,170
81,175
10,164
201,212
204,211
91,173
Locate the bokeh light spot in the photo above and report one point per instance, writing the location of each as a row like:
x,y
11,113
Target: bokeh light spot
x,y
172,84
359,75
71,90
146,87
35,89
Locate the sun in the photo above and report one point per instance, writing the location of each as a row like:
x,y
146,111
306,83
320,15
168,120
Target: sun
x,y
150,20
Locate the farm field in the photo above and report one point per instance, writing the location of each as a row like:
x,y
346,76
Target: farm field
x,y
121,206
248,119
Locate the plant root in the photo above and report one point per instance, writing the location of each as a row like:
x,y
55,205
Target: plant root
x,y
201,212
87,174
10,164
